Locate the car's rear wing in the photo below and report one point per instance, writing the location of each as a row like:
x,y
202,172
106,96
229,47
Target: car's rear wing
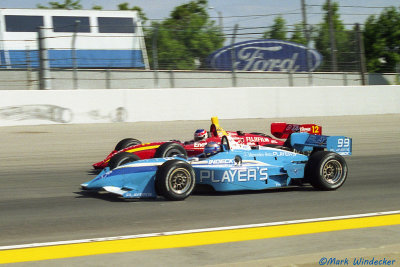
x,y
307,142
283,130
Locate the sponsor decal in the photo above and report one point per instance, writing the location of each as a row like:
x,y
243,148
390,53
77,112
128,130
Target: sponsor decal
x,y
315,129
104,175
265,55
235,175
134,194
257,139
270,154
319,140
305,129
292,127
220,161
202,144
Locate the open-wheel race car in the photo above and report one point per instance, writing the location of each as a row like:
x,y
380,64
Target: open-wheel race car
x,y
230,166
135,149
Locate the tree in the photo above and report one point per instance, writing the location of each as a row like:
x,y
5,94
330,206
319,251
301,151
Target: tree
x,y
298,35
96,7
345,45
68,4
278,30
125,6
187,37
382,41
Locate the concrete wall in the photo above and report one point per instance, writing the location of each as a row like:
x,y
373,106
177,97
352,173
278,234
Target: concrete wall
x,y
136,79
27,107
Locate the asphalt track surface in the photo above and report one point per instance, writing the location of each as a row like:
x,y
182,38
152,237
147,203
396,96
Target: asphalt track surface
x,y
40,199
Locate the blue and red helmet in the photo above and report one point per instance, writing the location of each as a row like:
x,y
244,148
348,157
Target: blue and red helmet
x,y
211,148
200,134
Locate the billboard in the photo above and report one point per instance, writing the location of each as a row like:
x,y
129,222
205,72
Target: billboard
x,y
265,55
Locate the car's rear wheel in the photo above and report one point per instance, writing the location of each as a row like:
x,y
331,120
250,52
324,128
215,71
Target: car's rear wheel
x,y
326,170
170,149
121,159
127,142
175,180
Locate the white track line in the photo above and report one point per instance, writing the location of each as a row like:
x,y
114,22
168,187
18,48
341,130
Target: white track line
x,y
58,243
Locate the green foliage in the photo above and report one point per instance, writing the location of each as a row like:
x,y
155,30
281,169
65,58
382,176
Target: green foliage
x,y
278,30
344,41
96,7
125,6
187,36
298,35
382,41
68,4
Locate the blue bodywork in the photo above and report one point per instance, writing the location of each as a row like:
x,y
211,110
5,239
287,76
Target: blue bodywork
x,y
243,168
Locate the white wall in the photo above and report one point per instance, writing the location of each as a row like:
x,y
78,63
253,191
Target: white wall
x,y
27,107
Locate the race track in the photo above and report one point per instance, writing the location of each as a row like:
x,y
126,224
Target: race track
x,y
42,167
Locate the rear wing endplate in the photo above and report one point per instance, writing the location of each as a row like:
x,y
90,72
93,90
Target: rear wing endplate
x,y
307,142
283,130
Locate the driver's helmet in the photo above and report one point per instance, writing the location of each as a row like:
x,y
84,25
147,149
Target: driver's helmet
x,y
200,135
211,148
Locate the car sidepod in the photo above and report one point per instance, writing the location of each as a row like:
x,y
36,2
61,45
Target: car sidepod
x,y
250,169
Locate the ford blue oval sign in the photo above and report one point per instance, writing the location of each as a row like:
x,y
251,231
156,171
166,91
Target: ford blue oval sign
x,y
265,55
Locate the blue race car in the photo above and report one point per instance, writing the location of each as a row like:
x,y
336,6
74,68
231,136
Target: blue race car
x,y
314,159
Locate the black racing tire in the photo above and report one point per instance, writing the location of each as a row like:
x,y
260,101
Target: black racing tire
x,y
175,180
127,142
170,149
326,170
121,159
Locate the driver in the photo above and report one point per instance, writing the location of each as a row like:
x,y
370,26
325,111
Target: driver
x,y
211,148
200,135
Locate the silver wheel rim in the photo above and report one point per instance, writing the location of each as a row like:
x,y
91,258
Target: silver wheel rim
x,y
332,171
180,181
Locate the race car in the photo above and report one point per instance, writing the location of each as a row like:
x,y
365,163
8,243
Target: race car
x,y
201,138
230,166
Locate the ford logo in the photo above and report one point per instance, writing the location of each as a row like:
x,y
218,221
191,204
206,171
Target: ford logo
x,y
265,55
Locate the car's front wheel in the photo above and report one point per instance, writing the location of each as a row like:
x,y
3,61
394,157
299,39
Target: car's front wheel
x,y
175,180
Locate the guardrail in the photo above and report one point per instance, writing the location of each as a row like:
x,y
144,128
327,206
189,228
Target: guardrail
x,y
32,107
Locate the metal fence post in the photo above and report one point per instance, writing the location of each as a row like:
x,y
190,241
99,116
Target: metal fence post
x,y
44,66
74,56
28,67
233,56
332,38
171,79
155,58
345,79
290,73
108,78
361,54
306,31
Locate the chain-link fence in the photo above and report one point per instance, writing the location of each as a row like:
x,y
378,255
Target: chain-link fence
x,y
74,54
